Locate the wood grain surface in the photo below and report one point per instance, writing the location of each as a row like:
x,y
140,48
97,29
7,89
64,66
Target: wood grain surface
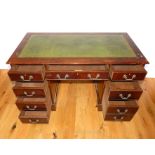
x,y
76,115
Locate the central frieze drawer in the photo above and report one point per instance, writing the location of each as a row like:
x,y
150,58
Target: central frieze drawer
x,y
127,72
124,91
27,73
64,72
30,89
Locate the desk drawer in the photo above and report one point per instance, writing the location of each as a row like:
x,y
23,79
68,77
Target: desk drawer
x,y
114,117
32,104
124,91
93,75
77,75
30,89
34,117
60,75
127,72
85,72
27,73
121,107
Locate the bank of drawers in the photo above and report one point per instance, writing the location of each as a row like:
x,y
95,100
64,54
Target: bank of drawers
x,y
120,100
36,97
32,91
122,92
35,111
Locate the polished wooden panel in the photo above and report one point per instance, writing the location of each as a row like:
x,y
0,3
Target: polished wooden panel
x,y
124,90
99,87
27,73
127,72
54,89
76,115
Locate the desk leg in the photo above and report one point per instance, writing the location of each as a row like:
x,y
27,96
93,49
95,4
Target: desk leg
x,y
99,87
54,88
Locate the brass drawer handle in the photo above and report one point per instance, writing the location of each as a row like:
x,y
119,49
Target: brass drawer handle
x,y
90,77
23,79
33,121
123,97
122,112
59,77
29,95
129,79
118,119
29,108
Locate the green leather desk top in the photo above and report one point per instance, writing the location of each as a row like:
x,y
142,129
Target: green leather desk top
x,y
76,45
77,49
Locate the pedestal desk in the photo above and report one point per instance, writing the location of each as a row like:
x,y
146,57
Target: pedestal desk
x,y
111,61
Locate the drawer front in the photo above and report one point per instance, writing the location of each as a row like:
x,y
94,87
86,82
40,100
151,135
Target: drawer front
x,y
27,73
77,75
122,107
124,95
127,72
34,120
32,104
26,77
34,117
114,117
60,75
31,89
29,92
127,76
124,90
93,75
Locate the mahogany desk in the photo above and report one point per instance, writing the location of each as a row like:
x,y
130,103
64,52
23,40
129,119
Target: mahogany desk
x,y
110,60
